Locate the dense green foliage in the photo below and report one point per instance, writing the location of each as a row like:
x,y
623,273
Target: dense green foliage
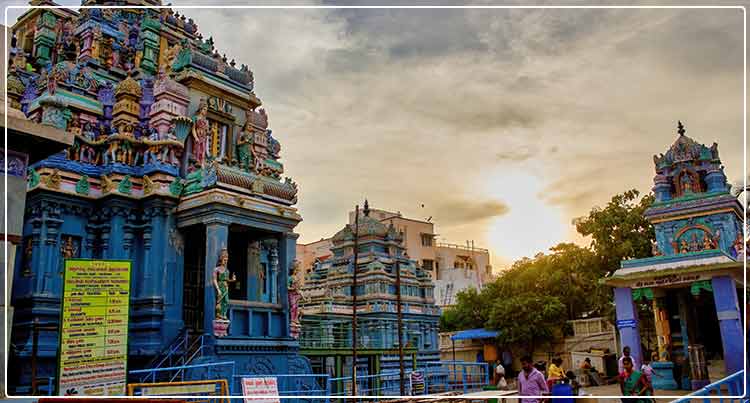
x,y
531,301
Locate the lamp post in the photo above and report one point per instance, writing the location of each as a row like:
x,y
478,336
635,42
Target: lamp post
x,y
354,301
400,325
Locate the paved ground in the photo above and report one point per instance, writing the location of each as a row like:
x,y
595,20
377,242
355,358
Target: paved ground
x,y
715,370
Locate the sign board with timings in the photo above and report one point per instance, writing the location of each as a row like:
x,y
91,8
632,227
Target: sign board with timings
x,y
94,327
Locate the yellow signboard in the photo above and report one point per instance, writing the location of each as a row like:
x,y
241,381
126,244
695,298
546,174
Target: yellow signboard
x,y
94,336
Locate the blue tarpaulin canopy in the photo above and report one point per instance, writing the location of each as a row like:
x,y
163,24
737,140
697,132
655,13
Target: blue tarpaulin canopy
x,y
475,334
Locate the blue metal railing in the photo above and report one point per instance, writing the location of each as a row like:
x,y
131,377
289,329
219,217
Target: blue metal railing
x,y
438,377
195,372
181,353
729,386
446,376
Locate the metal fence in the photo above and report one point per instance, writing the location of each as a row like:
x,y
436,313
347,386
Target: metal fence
x,y
729,386
181,373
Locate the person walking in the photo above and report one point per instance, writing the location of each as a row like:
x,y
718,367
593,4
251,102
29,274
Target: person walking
x,y
531,382
625,353
502,384
634,383
555,372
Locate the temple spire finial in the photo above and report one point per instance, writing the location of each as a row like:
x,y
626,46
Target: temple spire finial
x,y
680,128
366,210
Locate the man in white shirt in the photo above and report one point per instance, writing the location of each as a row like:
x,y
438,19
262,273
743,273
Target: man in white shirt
x,y
500,376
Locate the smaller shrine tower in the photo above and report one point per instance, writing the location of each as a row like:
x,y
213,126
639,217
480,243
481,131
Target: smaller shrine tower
x,y
692,280
327,308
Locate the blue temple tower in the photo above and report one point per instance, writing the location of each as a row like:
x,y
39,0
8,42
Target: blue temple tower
x,y
694,279
173,168
326,317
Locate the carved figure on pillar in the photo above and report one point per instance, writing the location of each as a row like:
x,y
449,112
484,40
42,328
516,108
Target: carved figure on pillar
x,y
200,134
222,279
295,295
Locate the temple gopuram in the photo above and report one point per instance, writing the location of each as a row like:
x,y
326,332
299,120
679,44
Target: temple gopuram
x,y
174,169
327,304
694,280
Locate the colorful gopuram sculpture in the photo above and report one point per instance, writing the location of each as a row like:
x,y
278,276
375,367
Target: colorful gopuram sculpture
x,y
693,278
172,150
327,307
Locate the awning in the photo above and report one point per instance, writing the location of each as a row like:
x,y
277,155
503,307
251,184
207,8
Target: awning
x,y
475,334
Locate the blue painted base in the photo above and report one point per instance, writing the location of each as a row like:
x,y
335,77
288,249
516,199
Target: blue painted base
x,y
685,383
663,378
699,384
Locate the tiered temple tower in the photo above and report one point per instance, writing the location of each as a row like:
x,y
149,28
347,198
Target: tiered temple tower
x,y
174,172
327,307
692,280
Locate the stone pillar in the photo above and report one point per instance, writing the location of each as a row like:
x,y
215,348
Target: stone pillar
x,y
627,324
730,323
116,247
217,238
287,255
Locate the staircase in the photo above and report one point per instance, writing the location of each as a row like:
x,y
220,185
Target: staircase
x,y
170,364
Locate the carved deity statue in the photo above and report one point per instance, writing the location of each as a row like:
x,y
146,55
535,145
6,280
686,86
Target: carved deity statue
x,y
655,249
201,131
687,184
222,279
171,56
708,243
684,248
68,250
245,151
739,245
694,245
294,294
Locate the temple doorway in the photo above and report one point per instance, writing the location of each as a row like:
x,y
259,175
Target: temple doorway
x,y
707,331
194,278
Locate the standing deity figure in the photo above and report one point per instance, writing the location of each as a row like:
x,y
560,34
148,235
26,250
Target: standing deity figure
x,y
245,152
295,295
221,284
694,245
200,133
655,249
739,246
687,184
684,247
68,250
708,243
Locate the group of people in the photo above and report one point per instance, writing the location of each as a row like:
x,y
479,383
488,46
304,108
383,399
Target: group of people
x,y
533,383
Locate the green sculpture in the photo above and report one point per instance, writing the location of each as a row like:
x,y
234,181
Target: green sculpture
x,y
221,284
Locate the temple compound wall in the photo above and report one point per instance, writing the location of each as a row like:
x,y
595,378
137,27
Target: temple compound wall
x,y
173,168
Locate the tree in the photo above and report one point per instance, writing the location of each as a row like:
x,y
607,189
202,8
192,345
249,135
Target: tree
x,y
619,231
470,311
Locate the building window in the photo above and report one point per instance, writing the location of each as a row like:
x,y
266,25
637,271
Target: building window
x,y
426,239
428,264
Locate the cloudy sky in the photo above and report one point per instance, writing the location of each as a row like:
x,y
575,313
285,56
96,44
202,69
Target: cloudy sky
x,y
504,123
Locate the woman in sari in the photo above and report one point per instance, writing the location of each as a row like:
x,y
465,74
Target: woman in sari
x,y
634,383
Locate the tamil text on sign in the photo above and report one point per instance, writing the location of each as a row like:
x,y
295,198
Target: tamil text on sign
x,y
94,336
260,390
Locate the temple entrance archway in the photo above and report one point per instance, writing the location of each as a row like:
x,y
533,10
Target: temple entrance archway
x,y
193,286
